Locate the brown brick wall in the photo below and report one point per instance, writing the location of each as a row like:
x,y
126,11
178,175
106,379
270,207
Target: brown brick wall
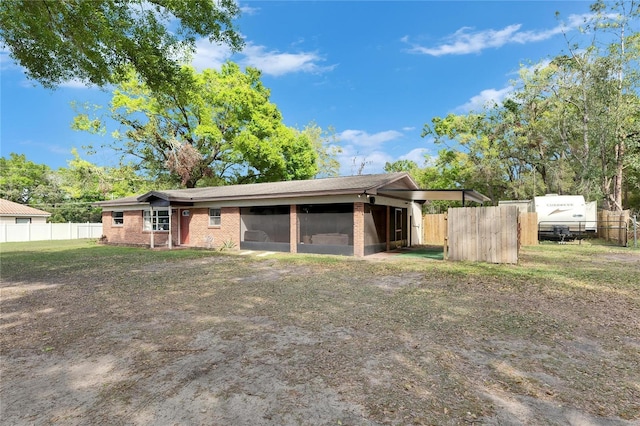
x,y
201,234
131,231
230,229
358,229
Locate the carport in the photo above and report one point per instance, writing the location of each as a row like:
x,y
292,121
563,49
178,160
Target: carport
x,y
423,195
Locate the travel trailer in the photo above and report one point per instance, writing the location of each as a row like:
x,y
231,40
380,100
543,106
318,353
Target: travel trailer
x,y
560,217
564,216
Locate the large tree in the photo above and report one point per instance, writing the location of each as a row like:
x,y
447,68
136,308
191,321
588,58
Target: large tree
x,y
95,41
68,192
571,125
23,181
326,146
210,128
608,69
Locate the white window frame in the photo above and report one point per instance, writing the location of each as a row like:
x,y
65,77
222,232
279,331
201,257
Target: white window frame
x,y
159,220
22,220
215,219
117,220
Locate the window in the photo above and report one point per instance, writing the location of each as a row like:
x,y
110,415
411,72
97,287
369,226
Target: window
x,y
159,221
118,218
23,220
214,217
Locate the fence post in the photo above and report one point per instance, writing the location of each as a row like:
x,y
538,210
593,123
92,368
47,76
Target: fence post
x,y
635,231
445,253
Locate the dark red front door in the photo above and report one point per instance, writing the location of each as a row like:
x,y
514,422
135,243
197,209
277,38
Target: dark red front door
x,y
185,218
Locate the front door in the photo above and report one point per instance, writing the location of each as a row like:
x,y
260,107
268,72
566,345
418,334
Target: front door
x,y
185,218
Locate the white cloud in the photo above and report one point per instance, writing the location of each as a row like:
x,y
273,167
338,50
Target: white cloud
x,y
249,10
486,97
6,61
210,55
79,84
270,62
363,150
466,40
416,155
363,139
352,162
277,63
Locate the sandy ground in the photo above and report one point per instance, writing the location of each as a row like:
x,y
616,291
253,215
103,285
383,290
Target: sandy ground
x,y
157,351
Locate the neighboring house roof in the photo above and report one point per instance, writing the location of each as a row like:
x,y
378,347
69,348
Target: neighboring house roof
x,y
361,184
9,208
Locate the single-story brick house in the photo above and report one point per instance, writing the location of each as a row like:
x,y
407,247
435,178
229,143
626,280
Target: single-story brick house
x,y
16,213
355,215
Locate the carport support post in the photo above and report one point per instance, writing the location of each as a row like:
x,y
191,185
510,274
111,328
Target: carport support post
x,y
151,237
294,229
170,220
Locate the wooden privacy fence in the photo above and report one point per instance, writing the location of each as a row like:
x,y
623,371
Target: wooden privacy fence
x,y
528,229
434,229
613,226
483,234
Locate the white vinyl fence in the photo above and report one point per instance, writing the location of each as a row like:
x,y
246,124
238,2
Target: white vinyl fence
x,y
48,231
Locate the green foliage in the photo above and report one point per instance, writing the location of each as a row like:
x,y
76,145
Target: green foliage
x,y
407,166
96,41
67,193
227,245
23,181
326,147
214,127
569,126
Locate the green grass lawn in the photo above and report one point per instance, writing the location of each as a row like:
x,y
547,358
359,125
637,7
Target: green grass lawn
x,y
339,340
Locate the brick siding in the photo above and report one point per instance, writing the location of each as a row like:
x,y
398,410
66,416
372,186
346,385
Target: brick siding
x,y
201,234
358,229
130,232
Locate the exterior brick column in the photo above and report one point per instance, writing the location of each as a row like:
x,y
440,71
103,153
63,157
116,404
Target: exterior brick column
x,y
293,228
358,229
230,225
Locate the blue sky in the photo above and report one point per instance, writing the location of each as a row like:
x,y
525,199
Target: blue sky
x,y
374,71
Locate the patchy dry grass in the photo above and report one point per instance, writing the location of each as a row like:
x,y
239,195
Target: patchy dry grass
x,y
95,334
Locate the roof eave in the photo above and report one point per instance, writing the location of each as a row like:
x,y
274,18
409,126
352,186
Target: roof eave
x,y
25,214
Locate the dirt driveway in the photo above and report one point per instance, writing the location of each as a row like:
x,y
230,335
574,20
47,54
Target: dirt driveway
x,y
103,336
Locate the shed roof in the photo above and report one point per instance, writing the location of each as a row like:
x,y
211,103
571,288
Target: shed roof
x,y
9,208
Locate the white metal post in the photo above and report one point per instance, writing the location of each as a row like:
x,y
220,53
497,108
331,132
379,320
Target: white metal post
x,y
151,207
170,217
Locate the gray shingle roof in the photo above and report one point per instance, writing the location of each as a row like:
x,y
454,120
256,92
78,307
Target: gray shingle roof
x,y
300,188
